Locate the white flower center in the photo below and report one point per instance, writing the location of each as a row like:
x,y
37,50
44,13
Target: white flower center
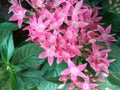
x,y
39,3
20,15
86,86
50,53
41,27
65,54
74,70
75,24
104,36
52,39
69,34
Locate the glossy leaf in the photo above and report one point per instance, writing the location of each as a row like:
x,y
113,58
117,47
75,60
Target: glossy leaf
x,y
7,48
8,26
114,19
27,56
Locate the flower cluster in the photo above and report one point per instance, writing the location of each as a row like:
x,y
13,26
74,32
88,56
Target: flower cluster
x,y
66,30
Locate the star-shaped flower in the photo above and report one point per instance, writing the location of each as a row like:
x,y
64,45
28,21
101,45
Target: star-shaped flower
x,y
74,70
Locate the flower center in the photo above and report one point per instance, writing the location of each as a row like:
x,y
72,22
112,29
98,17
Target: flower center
x,y
86,86
41,27
69,34
105,36
74,71
50,53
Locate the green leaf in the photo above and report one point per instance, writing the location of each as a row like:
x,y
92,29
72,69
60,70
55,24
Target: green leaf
x,y
20,83
8,26
107,84
7,48
51,74
30,78
114,78
54,70
114,19
114,68
27,56
45,85
13,81
4,34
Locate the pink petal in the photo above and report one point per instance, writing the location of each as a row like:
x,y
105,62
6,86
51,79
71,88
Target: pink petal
x,y
50,60
71,64
79,5
43,55
82,24
104,52
95,48
101,29
93,85
47,23
73,77
112,38
74,17
59,60
60,21
13,18
20,23
82,67
87,80
100,38
108,29
81,74
88,14
65,72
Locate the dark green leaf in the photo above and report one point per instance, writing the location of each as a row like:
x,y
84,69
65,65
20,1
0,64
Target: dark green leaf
x,y
27,56
20,83
30,78
114,19
114,68
51,73
114,78
107,84
8,26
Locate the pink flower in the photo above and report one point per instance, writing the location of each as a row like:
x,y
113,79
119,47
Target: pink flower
x,y
50,53
98,60
97,55
77,7
63,55
101,67
86,85
38,24
56,23
75,49
105,37
70,34
19,14
74,70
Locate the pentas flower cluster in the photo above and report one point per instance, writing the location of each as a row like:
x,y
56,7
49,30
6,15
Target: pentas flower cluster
x,y
66,30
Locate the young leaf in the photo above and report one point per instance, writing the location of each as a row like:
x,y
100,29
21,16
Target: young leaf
x,y
8,48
